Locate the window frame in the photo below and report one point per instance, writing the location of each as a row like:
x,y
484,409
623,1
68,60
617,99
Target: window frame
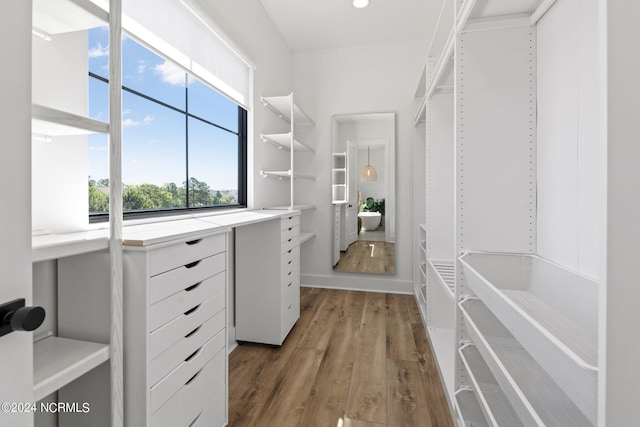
x,y
242,135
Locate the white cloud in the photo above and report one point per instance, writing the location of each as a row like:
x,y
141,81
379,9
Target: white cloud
x,y
170,73
148,119
98,51
142,66
129,123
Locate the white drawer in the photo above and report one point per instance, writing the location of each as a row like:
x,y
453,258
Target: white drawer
x,y
186,372
166,361
165,284
170,257
289,233
163,338
290,293
289,244
181,302
204,391
288,257
290,221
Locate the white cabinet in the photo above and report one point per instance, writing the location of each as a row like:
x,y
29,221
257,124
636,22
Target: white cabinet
x,y
336,233
267,279
175,334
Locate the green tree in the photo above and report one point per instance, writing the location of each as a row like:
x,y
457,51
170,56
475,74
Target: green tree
x,y
98,201
199,193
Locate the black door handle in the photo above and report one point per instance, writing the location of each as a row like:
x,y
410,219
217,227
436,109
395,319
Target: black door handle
x,y
14,316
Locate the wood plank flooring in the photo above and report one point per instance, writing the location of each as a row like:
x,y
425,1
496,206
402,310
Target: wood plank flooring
x,y
364,256
357,358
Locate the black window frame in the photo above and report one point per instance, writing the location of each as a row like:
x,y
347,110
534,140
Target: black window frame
x,y
242,160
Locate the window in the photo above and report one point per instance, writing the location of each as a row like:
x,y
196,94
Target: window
x,y
184,144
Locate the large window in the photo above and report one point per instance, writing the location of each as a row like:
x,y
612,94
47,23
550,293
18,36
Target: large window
x,y
184,144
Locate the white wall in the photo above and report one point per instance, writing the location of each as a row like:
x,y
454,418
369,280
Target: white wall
x,y
569,145
363,79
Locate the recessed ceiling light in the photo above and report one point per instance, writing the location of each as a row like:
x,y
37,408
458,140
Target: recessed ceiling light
x,y
360,3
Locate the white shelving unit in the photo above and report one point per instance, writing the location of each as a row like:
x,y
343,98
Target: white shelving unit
x,y
61,360
523,347
287,110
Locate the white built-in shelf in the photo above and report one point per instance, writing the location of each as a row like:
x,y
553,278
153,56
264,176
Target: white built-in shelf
x,y
54,246
51,122
443,346
423,269
281,105
306,236
283,141
339,202
338,185
58,361
421,113
296,207
444,66
343,170
423,245
65,16
469,409
287,174
444,271
472,10
534,394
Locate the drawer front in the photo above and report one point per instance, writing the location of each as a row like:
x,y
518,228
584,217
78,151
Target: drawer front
x,y
170,257
290,221
166,361
289,233
191,401
163,338
288,257
186,372
181,302
289,244
291,272
166,284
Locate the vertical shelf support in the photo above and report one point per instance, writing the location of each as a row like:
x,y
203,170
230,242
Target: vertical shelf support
x,y
291,134
115,211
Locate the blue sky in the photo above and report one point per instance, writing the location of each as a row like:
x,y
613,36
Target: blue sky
x,y
154,136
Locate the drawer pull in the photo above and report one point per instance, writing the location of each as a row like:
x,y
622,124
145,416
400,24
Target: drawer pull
x,y
290,228
290,261
192,355
195,420
190,288
193,377
188,312
193,264
290,239
193,242
193,332
289,273
289,285
290,305
289,251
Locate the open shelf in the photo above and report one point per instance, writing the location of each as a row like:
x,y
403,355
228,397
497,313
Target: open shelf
x,y
58,361
494,404
442,343
551,311
287,174
533,393
497,8
444,272
283,141
306,236
469,409
51,122
65,16
281,105
54,246
421,113
295,207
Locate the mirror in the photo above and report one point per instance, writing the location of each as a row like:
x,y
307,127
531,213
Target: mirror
x,y
362,192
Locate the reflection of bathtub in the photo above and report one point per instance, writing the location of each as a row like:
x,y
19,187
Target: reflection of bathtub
x,y
370,220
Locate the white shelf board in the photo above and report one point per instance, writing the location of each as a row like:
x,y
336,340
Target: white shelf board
x,y
339,202
58,361
54,246
442,342
287,174
444,271
469,409
65,16
534,395
295,207
283,141
421,114
340,154
496,8
281,105
306,235
51,122
134,236
339,169
444,66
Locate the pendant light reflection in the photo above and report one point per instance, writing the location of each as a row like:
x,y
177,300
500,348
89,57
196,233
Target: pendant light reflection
x,y
368,173
359,4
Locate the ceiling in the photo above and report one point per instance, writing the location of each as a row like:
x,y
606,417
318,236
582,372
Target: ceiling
x,y
327,24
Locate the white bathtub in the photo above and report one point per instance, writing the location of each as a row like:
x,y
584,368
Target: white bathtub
x,y
370,220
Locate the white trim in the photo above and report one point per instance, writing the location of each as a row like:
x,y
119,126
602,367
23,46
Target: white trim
x,y
352,282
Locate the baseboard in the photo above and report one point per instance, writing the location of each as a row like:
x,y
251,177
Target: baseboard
x,y
232,344
369,284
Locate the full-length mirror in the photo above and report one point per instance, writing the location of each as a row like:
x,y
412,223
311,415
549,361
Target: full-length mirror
x,y
362,192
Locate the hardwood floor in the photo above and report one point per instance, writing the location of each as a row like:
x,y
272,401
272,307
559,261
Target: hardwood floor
x,y
359,357
365,256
